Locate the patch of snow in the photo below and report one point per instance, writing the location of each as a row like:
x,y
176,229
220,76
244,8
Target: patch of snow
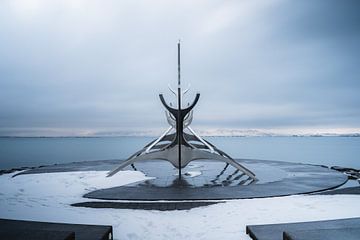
x,y
194,165
193,173
65,187
47,197
189,174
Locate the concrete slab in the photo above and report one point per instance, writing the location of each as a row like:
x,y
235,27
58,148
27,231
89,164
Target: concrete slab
x,y
34,234
323,234
27,228
275,231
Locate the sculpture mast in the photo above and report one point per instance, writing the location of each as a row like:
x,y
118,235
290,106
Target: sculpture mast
x,y
179,123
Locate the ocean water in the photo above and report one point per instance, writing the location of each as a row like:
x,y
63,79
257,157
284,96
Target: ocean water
x,y
330,151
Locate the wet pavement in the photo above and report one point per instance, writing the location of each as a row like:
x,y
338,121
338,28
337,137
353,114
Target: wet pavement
x,y
210,180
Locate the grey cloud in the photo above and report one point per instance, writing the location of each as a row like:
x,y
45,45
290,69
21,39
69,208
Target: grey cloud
x,y
256,63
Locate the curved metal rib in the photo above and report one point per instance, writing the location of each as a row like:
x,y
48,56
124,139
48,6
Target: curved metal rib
x,y
201,140
172,90
186,90
174,111
158,140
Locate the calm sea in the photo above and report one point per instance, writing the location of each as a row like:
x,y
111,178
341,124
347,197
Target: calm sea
x,y
18,152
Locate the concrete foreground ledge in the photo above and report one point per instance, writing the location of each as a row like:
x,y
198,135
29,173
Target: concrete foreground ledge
x,y
316,230
323,234
19,229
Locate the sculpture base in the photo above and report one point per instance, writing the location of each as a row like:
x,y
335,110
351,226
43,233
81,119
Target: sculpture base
x,y
207,180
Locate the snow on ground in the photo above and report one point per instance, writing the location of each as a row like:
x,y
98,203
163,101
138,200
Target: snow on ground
x,y
47,197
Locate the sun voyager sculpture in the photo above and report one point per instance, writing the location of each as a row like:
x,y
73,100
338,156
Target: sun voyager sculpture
x,y
180,144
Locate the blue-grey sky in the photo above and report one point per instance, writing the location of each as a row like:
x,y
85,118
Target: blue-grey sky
x,y
83,67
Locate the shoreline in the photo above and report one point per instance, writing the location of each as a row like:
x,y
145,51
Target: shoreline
x,y
355,135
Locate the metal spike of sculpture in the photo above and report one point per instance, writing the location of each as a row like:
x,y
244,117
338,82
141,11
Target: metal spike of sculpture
x,y
177,146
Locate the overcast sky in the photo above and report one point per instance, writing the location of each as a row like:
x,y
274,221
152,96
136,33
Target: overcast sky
x,y
89,66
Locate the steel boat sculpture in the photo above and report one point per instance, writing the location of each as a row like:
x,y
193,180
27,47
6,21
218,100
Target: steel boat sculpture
x,y
180,144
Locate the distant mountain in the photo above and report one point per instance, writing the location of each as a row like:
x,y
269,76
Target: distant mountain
x,y
221,132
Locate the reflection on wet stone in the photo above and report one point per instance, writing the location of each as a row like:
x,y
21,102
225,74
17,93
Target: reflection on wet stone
x,y
206,174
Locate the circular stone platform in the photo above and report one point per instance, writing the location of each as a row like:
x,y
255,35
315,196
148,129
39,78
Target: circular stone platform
x,y
210,180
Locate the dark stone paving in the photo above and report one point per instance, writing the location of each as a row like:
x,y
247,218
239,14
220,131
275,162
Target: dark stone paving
x,y
161,206
210,180
324,234
349,190
276,231
352,173
99,165
17,229
275,179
